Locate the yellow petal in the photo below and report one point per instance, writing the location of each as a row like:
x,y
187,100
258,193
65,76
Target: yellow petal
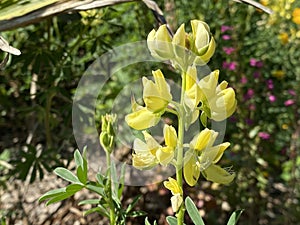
x,y
170,136
191,169
178,41
204,139
165,155
191,77
200,33
156,95
222,147
217,174
143,161
173,186
142,119
209,83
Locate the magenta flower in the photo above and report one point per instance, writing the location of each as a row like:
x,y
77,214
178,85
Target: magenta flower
x,y
226,37
244,80
253,62
272,98
289,102
249,121
270,84
264,135
249,94
256,63
259,64
256,74
230,65
225,28
228,50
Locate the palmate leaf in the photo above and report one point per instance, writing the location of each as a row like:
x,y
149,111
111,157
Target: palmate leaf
x,y
193,211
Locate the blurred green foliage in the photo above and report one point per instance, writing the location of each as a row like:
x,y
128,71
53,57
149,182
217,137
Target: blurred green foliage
x,y
36,92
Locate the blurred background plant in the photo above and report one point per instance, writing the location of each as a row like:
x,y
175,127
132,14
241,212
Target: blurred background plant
x,y
259,55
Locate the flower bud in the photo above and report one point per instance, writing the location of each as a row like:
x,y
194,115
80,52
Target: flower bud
x,y
159,43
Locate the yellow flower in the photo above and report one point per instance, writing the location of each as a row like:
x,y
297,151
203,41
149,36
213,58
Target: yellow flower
x,y
149,153
166,154
156,95
159,43
199,42
202,157
141,118
279,74
176,199
296,16
284,38
144,152
203,43
218,102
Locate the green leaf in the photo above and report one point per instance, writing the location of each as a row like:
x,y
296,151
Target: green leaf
x,y
100,179
89,201
97,209
82,176
235,217
78,158
172,220
52,193
74,187
133,203
136,214
59,198
96,189
193,211
148,223
66,175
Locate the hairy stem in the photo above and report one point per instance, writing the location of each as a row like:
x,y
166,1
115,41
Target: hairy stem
x,y
112,215
179,165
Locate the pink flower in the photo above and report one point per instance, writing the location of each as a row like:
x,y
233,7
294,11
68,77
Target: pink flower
x,y
264,135
226,37
252,62
272,98
230,65
256,63
252,107
270,84
228,50
289,102
244,80
292,92
249,94
225,28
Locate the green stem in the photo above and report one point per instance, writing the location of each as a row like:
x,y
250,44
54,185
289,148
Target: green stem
x,y
112,215
179,166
